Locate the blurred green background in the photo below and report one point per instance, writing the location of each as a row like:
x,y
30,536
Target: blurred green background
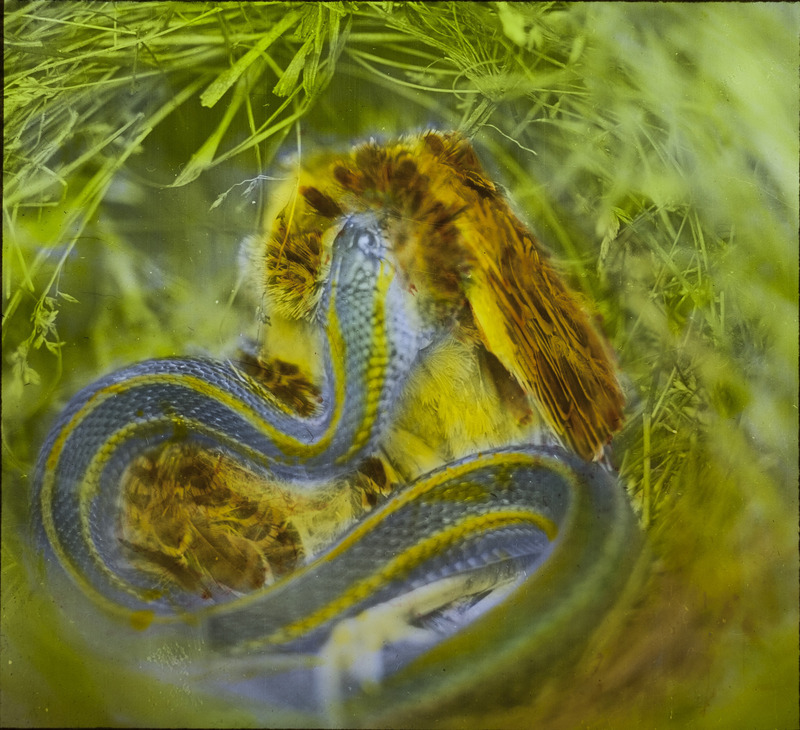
x,y
654,150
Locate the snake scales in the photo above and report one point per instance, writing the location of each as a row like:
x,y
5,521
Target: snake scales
x,y
557,525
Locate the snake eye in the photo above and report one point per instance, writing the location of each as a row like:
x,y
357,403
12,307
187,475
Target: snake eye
x,y
370,243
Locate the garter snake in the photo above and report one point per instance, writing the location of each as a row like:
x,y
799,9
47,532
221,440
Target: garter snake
x,y
539,510
372,345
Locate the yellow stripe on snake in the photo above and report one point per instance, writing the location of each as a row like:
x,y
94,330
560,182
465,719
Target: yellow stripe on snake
x,y
501,558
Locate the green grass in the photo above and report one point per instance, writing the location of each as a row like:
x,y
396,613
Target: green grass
x,y
653,148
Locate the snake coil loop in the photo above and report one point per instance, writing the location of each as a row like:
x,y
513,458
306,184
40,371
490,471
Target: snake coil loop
x,y
542,517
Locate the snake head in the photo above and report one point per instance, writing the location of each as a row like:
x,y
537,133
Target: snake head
x,y
359,250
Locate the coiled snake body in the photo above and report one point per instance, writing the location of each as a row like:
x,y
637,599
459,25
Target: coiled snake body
x,y
559,525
